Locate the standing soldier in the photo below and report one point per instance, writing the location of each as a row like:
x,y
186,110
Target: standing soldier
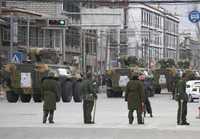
x,y
182,99
147,104
135,97
49,93
89,98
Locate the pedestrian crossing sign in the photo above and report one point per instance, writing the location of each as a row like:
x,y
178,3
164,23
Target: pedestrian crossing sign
x,y
17,57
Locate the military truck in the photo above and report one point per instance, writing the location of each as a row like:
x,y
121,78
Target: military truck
x,y
117,79
112,80
165,78
24,79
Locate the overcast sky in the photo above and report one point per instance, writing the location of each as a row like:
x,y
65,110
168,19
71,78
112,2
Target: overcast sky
x,y
182,11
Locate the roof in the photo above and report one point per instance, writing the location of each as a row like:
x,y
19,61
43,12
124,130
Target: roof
x,y
18,11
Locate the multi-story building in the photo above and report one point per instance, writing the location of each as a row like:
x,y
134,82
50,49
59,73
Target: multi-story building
x,y
171,24
84,38
61,38
155,33
189,51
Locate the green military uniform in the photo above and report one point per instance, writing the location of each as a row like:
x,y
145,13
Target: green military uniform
x,y
182,99
49,92
135,98
89,96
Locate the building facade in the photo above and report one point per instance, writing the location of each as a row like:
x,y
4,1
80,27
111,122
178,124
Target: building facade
x,y
171,36
189,51
62,38
155,33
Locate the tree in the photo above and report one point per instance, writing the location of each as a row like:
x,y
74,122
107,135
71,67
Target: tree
x,y
183,64
132,60
162,63
170,63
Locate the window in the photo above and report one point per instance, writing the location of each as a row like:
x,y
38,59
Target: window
x,y
194,89
6,34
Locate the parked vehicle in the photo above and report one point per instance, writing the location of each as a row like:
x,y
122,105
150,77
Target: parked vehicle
x,y
24,79
193,89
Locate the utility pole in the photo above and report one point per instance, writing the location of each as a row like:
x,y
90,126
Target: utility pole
x,y
118,46
108,51
64,46
11,36
28,33
84,52
101,52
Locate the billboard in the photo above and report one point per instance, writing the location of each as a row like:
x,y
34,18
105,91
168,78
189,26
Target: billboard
x,y
102,18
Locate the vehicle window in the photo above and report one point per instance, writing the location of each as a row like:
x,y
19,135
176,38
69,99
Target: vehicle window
x,y
187,86
63,71
194,89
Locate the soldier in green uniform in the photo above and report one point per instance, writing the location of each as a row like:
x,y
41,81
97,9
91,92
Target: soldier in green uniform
x,y
135,97
182,99
89,96
49,92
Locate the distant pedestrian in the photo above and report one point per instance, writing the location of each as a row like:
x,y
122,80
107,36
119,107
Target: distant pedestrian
x,y
135,97
89,98
49,93
182,99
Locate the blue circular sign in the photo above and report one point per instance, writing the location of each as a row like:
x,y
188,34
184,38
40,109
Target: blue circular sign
x,y
194,16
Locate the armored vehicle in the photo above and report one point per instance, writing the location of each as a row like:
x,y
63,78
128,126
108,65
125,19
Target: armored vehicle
x,y
165,78
24,79
117,78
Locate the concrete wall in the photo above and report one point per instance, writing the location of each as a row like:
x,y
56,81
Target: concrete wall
x,y
51,8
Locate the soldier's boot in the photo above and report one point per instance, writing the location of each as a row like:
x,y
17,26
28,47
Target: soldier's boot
x,y
131,120
144,113
45,114
151,115
51,117
130,117
185,123
140,120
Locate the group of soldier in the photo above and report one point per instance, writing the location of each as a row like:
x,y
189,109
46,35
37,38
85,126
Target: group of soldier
x,y
49,92
135,94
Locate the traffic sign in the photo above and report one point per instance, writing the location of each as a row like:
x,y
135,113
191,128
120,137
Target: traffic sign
x,y
17,57
194,16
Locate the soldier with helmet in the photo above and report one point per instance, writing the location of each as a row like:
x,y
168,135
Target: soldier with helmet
x,y
89,97
49,92
147,104
135,97
182,98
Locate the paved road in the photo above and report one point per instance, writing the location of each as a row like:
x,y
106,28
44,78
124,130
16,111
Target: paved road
x,y
24,121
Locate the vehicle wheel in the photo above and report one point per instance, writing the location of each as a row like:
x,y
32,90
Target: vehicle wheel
x,y
118,94
37,97
190,98
67,91
77,92
109,93
25,98
12,96
151,93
